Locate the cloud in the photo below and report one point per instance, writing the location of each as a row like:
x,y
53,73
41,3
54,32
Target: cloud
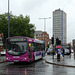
x,y
31,4
43,8
25,6
3,6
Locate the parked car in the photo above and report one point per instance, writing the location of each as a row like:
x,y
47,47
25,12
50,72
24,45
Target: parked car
x,y
72,50
49,51
67,52
3,52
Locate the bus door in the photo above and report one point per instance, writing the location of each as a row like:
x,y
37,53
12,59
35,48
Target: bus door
x,y
29,50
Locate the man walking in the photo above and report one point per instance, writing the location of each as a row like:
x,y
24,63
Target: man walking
x,y
63,51
58,53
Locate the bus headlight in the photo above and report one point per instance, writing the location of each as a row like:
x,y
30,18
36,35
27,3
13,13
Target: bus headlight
x,y
25,58
7,58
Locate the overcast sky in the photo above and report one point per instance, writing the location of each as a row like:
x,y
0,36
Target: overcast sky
x,y
42,9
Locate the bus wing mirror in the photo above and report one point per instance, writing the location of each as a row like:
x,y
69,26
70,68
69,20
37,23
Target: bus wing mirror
x,y
29,44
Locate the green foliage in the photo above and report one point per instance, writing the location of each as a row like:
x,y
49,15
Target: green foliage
x,y
19,26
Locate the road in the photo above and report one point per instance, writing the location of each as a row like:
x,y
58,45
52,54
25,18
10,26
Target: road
x,y
39,67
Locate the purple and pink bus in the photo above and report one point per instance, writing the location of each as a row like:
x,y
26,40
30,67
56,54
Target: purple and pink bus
x,y
24,49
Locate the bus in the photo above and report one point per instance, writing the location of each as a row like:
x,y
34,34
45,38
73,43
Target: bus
x,y
24,49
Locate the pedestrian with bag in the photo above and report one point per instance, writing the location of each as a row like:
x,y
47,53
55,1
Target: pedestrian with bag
x,y
63,51
53,52
58,53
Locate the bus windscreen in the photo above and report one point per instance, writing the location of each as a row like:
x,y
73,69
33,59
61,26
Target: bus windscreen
x,y
16,47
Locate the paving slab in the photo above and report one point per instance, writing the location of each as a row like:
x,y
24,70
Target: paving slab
x,y
67,60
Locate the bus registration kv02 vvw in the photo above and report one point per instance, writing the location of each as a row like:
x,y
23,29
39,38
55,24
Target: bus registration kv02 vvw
x,y
24,49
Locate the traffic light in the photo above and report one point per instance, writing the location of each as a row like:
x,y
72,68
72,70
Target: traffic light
x,y
58,42
52,40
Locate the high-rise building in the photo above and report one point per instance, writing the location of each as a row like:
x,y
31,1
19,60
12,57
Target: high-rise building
x,y
59,25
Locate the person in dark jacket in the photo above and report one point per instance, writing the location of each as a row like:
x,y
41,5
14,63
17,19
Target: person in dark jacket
x,y
63,51
58,50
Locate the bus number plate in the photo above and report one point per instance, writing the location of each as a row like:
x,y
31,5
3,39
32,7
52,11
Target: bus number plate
x,y
15,56
16,60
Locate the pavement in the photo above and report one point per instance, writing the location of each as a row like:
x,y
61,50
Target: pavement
x,y
67,60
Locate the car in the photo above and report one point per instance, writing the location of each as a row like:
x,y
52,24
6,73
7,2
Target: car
x,y
3,52
72,50
49,51
67,52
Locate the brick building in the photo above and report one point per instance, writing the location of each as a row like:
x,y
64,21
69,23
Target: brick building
x,y
40,35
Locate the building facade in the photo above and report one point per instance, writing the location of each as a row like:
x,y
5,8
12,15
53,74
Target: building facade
x,y
73,43
42,36
59,26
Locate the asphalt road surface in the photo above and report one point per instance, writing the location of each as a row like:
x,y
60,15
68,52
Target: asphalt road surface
x,y
39,67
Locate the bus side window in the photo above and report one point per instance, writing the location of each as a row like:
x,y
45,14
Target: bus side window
x,y
42,47
38,47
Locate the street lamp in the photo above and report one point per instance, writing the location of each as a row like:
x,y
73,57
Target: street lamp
x,y
45,25
8,20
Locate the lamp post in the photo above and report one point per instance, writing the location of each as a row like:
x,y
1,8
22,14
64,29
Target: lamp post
x,y
45,25
8,20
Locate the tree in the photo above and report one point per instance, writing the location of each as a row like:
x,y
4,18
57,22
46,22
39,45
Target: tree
x,y
19,26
